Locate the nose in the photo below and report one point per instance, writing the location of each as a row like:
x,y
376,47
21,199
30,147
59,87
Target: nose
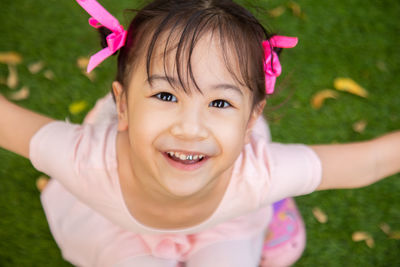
x,y
189,125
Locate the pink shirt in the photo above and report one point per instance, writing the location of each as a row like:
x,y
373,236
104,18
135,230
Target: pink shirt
x,y
83,159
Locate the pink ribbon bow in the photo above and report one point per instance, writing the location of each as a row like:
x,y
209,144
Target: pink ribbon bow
x,y
272,66
101,17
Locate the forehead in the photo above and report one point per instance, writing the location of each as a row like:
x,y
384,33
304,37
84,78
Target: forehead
x,y
192,57
207,56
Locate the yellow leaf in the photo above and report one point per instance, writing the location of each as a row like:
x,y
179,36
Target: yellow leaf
x,y
360,236
21,94
391,234
370,242
348,85
77,107
36,67
276,12
363,236
91,76
295,7
41,182
318,99
12,58
82,62
320,215
360,126
49,74
395,235
12,79
385,228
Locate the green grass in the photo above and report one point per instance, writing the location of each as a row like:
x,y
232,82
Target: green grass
x,y
342,38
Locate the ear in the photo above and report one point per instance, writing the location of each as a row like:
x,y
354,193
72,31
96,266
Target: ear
x,y
255,114
122,107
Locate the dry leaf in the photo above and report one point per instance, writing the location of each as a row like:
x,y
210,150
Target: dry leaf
x,y
276,12
385,228
36,67
295,7
49,74
41,182
363,236
370,242
360,236
348,85
360,126
320,215
82,62
21,94
91,76
395,235
12,58
77,107
12,80
318,99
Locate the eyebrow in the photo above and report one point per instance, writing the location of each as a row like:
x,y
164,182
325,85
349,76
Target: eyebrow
x,y
225,86
156,77
173,81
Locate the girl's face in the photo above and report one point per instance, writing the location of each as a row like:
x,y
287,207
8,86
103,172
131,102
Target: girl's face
x,y
181,142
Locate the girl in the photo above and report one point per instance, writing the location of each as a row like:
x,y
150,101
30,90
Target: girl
x,y
185,171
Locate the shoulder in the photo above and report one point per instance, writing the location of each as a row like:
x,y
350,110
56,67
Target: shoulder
x,y
254,159
64,150
95,144
272,171
80,137
251,172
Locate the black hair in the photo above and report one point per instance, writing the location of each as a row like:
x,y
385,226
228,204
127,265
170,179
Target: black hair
x,y
185,22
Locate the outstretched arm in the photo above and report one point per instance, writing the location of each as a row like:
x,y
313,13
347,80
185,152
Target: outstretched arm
x,y
17,126
359,164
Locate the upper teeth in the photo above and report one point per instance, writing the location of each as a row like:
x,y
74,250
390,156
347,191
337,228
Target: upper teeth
x,y
183,156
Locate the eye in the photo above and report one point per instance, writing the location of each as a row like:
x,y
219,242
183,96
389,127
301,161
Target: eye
x,y
219,103
164,96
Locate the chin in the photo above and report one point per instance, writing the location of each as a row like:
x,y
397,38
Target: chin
x,y
184,189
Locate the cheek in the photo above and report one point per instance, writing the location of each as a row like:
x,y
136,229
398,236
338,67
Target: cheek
x,y
144,126
230,135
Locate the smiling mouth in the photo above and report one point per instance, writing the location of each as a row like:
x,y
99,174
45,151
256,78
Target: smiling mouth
x,y
186,159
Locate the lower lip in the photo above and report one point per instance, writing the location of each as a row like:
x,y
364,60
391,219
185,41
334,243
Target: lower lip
x,y
185,167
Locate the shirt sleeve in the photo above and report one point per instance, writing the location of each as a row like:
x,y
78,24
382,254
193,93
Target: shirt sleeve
x,y
268,172
294,170
75,155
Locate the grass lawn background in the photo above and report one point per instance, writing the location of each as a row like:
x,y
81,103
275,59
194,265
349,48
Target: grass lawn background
x,y
343,38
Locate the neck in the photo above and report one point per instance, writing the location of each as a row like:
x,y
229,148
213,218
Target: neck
x,y
158,196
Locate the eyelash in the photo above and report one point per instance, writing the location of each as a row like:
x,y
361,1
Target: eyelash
x,y
167,97
163,96
219,103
